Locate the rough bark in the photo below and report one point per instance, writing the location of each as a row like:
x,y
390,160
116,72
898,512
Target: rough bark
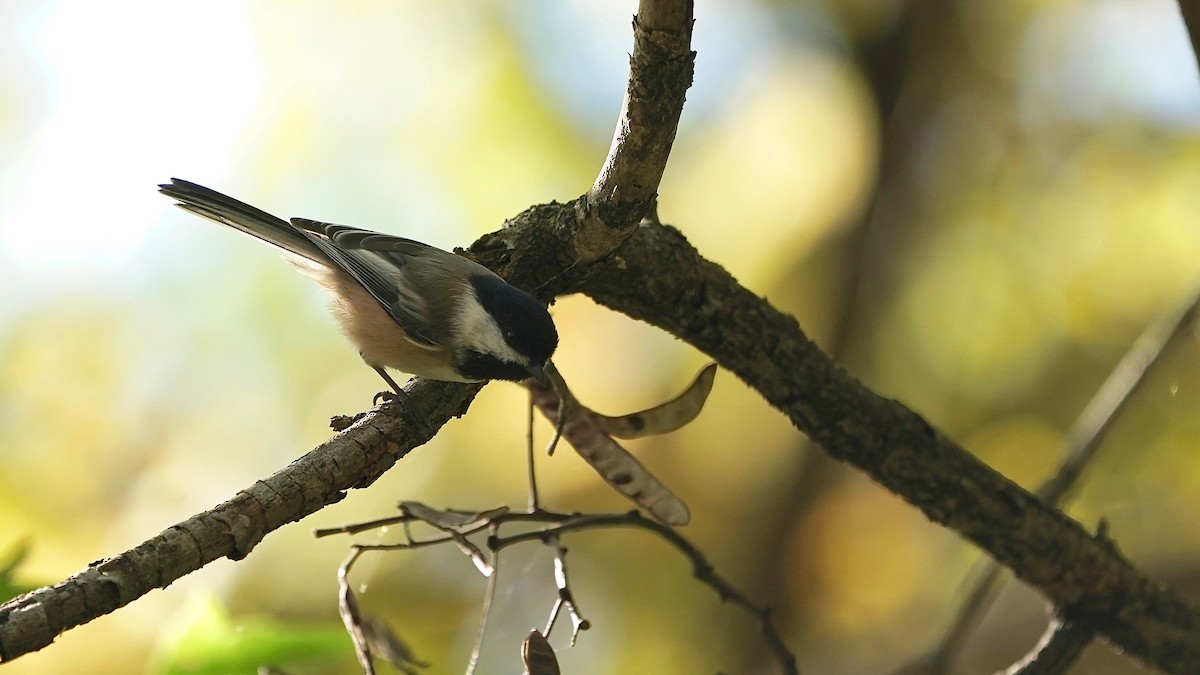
x,y
650,272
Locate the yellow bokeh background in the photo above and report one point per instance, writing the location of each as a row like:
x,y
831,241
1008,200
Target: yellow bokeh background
x,y
977,223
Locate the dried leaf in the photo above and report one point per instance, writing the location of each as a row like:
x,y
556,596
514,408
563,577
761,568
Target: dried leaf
x,y
447,519
438,519
538,656
591,435
624,472
665,418
352,618
387,645
19,552
614,464
480,561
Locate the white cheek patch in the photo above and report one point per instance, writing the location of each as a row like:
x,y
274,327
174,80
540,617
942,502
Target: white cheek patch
x,y
477,330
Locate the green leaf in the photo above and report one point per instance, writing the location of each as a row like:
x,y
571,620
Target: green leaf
x,y
205,640
9,586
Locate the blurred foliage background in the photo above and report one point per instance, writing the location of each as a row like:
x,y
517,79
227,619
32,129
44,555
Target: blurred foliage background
x,y
976,206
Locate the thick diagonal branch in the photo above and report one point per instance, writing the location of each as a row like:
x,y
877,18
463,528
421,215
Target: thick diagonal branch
x,y
659,278
656,276
352,459
545,241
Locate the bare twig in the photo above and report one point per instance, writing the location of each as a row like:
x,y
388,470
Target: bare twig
x,y
701,567
1089,429
489,596
558,524
658,277
1086,434
371,635
355,528
431,517
534,502
565,408
1093,424
660,74
351,459
1083,441
566,599
386,644
351,616
1059,647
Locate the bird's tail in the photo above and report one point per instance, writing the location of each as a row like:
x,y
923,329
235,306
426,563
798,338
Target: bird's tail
x,y
240,216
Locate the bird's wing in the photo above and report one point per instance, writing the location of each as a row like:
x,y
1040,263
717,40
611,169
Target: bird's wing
x,y
378,262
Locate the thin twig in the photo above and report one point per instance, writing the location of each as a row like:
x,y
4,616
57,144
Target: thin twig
x,y
1093,424
534,502
565,597
702,568
351,616
567,406
557,524
355,528
433,518
489,596
1059,647
1083,441
661,70
352,459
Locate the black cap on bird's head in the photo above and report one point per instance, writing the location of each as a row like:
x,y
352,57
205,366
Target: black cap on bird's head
x,y
525,326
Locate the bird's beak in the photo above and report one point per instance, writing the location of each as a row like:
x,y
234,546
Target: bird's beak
x,y
538,373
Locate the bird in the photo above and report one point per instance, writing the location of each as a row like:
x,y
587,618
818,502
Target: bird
x,y
403,304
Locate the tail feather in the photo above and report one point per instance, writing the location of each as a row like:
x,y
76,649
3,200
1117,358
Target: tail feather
x,y
241,216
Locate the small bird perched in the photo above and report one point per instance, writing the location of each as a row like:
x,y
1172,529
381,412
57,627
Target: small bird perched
x,y
404,304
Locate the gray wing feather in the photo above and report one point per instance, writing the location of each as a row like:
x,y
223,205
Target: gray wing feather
x,y
240,216
379,263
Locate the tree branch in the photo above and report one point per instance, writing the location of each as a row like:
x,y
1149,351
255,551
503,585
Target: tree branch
x,y
554,237
1059,647
1083,442
660,72
656,276
354,458
1190,9
589,228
